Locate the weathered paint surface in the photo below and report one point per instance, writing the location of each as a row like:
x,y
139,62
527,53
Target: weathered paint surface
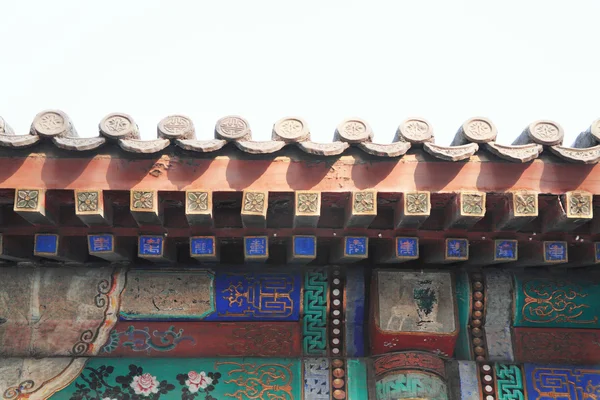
x,y
499,289
557,345
317,377
357,388
355,312
468,382
557,301
241,378
411,385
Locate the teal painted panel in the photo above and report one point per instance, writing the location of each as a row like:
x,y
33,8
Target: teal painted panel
x,y
463,298
411,385
357,388
558,301
200,378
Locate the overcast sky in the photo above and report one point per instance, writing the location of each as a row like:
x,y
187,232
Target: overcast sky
x,y
446,61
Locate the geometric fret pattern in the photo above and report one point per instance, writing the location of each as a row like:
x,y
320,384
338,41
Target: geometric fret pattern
x,y
509,382
314,323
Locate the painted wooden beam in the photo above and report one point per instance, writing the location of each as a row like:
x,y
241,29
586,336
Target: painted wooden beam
x,y
307,208
56,247
145,207
568,211
156,248
110,247
412,209
91,208
448,251
15,249
465,210
519,209
350,249
31,205
542,253
399,250
199,207
254,208
361,210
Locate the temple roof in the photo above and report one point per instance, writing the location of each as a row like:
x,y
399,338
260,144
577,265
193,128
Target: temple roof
x,y
477,136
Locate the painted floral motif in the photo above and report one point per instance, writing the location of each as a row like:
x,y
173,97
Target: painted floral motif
x,y
136,385
307,202
472,204
198,383
87,201
525,203
27,199
364,202
144,384
579,204
142,340
417,203
197,201
144,200
254,202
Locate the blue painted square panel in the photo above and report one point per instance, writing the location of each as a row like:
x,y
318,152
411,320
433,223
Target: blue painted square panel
x,y
457,249
555,251
256,246
305,246
150,245
202,246
407,247
100,243
506,250
355,246
46,243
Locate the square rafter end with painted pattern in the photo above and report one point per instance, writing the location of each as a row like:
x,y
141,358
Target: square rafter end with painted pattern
x,y
448,251
579,205
570,211
204,248
467,208
56,247
145,207
399,250
31,205
362,209
517,210
350,249
412,209
307,209
254,208
302,249
156,248
90,207
199,207
109,247
256,248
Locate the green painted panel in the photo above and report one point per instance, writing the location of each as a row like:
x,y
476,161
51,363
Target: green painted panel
x,y
557,301
412,385
463,298
357,380
201,378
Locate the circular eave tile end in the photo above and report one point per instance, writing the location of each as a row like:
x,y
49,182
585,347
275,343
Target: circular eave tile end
x,y
176,127
50,123
479,130
546,132
415,130
354,130
291,129
595,129
232,128
118,126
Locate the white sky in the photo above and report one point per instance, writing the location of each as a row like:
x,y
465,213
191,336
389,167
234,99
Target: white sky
x,y
512,61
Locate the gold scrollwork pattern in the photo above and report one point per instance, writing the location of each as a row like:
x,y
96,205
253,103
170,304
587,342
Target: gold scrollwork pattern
x,y
264,381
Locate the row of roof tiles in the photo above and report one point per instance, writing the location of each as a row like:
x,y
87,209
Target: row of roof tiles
x,y
475,134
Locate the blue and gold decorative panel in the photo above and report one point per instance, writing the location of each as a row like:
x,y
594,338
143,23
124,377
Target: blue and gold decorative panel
x,y
256,248
555,252
356,246
505,250
203,247
457,249
201,378
204,295
562,382
407,247
101,244
304,247
557,301
45,244
151,246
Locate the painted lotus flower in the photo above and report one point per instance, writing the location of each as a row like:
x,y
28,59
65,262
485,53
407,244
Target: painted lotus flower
x,y
197,381
145,384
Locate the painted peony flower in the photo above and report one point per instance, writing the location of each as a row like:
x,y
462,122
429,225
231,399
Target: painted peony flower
x,y
197,381
145,384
